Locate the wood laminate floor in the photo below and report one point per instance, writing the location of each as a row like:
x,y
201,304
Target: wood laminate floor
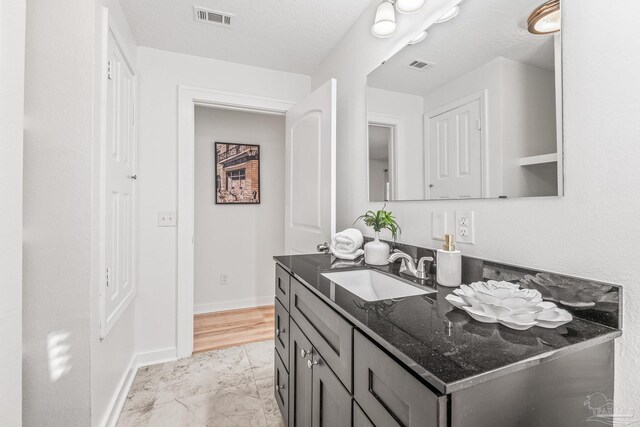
x,y
223,329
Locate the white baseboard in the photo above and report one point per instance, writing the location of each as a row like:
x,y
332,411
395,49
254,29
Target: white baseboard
x,y
233,304
157,356
117,402
137,361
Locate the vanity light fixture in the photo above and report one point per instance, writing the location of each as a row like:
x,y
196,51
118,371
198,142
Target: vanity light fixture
x,y
385,22
451,13
419,37
546,18
409,6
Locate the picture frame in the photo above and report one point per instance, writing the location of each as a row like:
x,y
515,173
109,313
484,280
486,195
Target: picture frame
x,y
237,173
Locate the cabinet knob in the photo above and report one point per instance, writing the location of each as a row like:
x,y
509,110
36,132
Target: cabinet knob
x,y
279,331
311,363
279,387
304,352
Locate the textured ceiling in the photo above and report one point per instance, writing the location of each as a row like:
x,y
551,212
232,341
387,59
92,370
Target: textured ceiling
x,y
481,32
287,35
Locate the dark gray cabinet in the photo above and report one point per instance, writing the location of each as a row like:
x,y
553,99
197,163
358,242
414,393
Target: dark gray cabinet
x,y
389,394
329,332
281,335
317,397
282,286
281,384
300,380
322,364
331,401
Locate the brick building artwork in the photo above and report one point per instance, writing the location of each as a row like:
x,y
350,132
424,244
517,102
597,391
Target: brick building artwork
x,y
237,173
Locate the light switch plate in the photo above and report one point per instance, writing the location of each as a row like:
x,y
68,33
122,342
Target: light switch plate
x,y
439,225
167,219
465,228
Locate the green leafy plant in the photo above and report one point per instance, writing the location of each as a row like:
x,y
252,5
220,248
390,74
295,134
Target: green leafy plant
x,y
380,220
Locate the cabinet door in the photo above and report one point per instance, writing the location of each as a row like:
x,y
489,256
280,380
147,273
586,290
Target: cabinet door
x,y
281,383
281,339
331,401
327,330
282,286
389,394
300,376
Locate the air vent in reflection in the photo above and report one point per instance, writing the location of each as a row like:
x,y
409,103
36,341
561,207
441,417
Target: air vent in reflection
x,y
421,65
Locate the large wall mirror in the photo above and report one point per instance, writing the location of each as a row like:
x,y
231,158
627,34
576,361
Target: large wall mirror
x,y
472,111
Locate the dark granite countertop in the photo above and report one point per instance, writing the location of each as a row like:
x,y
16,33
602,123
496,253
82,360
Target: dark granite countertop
x,y
439,343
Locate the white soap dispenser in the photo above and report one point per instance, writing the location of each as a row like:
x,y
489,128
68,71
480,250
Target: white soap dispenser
x,y
449,264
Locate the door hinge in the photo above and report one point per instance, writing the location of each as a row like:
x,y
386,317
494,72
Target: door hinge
x,y
108,277
109,70
479,124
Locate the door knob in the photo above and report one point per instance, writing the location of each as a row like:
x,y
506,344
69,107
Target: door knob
x,y
134,177
323,247
304,352
311,363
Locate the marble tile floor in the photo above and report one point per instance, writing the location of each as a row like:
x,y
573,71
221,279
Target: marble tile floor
x,y
229,387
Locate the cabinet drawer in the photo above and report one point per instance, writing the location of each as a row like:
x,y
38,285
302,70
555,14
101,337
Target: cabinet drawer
x,y
282,286
330,334
360,419
390,395
281,383
281,333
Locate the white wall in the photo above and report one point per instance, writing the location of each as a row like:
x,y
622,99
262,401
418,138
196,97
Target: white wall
x,y
112,357
57,211
12,34
160,74
593,231
237,240
410,185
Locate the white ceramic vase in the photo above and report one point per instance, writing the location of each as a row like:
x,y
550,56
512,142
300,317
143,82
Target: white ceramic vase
x,y
376,252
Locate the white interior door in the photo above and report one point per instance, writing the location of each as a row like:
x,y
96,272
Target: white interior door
x,y
310,171
119,157
456,153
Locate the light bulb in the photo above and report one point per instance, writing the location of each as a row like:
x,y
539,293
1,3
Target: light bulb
x,y
451,13
385,22
409,6
419,37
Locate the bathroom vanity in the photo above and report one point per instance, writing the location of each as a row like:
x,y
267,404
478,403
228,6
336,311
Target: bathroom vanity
x,y
343,360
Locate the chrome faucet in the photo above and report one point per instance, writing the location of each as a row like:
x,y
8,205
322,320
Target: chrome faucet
x,y
415,267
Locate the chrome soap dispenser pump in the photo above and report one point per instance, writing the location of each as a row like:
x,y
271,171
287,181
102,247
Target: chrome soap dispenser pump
x,y
449,260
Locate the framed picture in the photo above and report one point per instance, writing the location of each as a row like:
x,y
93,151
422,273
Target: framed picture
x,y
237,173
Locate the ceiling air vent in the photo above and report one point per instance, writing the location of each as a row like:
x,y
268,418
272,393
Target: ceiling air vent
x,y
213,17
420,65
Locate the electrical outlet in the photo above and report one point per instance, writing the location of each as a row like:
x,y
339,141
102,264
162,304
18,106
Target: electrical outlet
x,y
464,227
166,219
224,280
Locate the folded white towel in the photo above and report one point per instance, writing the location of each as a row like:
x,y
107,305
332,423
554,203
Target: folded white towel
x,y
346,244
348,240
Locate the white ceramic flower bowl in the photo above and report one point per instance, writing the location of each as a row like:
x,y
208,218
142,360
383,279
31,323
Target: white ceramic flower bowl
x,y
507,304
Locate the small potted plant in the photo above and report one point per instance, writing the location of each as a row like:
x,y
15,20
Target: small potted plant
x,y
377,252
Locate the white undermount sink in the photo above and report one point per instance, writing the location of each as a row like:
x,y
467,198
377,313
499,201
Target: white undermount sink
x,y
373,286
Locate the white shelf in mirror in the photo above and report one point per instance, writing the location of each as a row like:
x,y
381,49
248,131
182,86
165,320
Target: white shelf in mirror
x,y
539,160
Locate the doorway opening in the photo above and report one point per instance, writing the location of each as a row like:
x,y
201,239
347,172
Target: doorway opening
x,y
238,224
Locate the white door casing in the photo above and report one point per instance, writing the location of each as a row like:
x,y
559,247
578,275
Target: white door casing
x,y
310,183
455,152
119,152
